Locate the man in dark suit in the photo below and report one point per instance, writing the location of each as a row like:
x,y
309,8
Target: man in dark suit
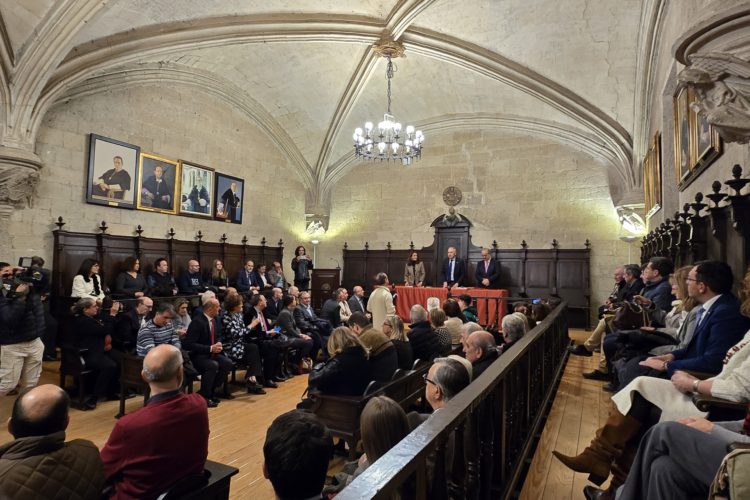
x,y
488,271
453,270
202,341
248,279
298,340
129,323
331,309
274,305
309,323
157,191
272,347
719,324
357,301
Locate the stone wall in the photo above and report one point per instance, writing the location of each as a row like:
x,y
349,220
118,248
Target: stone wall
x,y
514,188
187,125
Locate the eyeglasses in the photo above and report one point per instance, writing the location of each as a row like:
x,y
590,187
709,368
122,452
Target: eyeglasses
x,y
692,279
428,380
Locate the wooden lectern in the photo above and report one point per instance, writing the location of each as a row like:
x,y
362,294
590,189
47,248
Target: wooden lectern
x,y
324,282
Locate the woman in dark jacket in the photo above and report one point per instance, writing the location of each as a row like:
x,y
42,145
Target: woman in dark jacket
x,y
130,283
95,335
393,328
302,264
347,372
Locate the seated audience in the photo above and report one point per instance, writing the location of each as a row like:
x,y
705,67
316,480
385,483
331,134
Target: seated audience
x,y
276,276
130,283
514,327
129,324
432,303
272,345
383,424
523,310
454,320
656,283
539,312
437,322
217,278
236,345
181,319
294,292
331,310
38,463
383,356
295,455
191,282
347,372
274,305
297,340
467,309
309,323
203,342
345,311
466,330
647,399
248,280
481,351
424,342
158,330
95,336
87,282
263,279
393,328
152,448
161,283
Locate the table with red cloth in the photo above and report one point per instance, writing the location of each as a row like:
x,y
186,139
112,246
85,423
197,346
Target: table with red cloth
x,y
409,295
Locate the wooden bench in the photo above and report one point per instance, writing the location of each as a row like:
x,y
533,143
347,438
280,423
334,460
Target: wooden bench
x,y
341,413
73,364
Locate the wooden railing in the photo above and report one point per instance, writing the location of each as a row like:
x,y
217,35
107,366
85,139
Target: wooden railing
x,y
492,426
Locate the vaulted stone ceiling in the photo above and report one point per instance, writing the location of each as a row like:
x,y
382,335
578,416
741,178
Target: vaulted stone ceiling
x,y
305,71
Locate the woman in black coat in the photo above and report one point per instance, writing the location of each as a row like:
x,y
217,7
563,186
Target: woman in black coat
x,y
94,334
347,372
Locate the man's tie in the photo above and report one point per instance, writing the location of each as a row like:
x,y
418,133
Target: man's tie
x,y
451,270
486,266
213,335
699,316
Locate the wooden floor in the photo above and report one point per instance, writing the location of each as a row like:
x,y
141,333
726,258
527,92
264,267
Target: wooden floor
x,y
238,430
580,407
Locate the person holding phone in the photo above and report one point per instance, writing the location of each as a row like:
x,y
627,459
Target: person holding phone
x,y
302,264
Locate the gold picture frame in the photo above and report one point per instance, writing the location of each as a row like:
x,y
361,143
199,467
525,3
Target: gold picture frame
x,y
683,147
157,189
652,177
704,139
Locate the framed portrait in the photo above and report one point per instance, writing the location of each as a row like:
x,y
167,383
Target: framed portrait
x,y
229,201
112,172
196,191
682,137
158,183
652,177
705,139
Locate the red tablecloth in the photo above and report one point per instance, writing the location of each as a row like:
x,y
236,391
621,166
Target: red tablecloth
x,y
409,295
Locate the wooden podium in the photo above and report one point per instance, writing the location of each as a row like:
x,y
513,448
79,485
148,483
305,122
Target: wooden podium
x,y
324,281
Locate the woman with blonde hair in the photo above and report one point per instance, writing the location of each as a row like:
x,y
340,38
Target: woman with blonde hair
x,y
347,371
393,328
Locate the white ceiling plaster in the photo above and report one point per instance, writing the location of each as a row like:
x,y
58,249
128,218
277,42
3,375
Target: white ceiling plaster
x,y
587,45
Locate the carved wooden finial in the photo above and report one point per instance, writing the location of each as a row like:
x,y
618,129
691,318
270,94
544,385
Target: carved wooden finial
x,y
367,245
281,243
717,195
346,245
244,240
223,238
171,233
60,223
199,235
555,244
524,244
138,230
737,183
263,241
388,245
494,244
698,205
411,245
587,244
103,227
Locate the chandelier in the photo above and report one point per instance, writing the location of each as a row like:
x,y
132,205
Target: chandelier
x,y
388,141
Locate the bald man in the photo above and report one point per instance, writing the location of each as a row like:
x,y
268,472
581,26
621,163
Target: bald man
x,y
38,423
481,350
167,439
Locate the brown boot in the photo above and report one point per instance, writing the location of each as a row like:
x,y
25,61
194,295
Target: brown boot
x,y
622,462
597,458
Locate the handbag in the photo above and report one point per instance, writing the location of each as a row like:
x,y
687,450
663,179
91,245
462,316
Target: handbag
x,y
732,480
630,316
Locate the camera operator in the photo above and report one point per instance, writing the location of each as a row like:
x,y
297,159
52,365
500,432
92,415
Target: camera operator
x,y
21,329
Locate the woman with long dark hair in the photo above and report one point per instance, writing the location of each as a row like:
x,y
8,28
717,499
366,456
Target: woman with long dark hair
x,y
130,283
414,272
302,264
87,282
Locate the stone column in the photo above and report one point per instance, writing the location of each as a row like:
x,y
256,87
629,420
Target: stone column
x,y
19,176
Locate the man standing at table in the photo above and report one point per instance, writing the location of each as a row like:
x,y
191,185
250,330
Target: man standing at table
x,y
453,270
488,272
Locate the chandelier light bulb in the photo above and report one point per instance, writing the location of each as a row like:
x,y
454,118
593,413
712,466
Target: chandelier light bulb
x,y
368,126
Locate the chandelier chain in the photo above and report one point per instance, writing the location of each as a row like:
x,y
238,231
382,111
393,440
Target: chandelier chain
x,y
389,75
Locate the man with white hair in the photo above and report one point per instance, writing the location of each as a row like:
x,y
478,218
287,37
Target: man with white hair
x,y
380,304
467,329
514,327
480,349
150,449
425,343
453,270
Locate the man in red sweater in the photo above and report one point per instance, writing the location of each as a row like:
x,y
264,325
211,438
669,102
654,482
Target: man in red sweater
x,y
152,448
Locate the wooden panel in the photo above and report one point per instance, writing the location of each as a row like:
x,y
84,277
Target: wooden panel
x,y
71,249
115,250
150,250
573,279
182,252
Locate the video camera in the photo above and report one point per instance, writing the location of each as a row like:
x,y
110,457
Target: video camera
x,y
35,277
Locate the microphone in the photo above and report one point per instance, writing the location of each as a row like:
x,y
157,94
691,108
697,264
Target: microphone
x,y
338,266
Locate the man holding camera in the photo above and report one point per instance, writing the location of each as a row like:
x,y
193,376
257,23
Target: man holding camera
x,y
21,329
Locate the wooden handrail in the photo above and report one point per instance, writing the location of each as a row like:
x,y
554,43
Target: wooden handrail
x,y
540,354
